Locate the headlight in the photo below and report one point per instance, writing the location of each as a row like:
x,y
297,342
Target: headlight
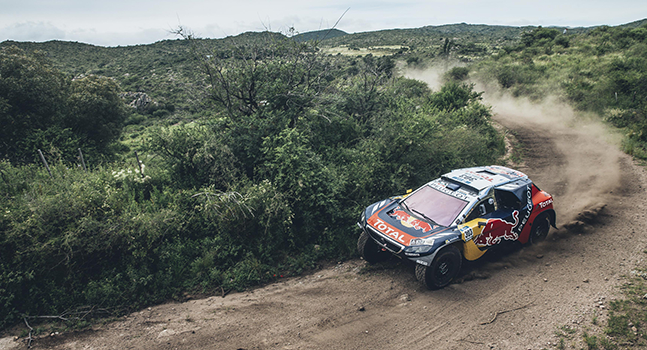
x,y
419,247
417,250
419,241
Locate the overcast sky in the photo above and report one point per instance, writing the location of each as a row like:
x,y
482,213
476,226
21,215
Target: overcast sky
x,y
121,22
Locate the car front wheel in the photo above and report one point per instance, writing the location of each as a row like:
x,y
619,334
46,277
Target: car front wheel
x,y
369,250
442,270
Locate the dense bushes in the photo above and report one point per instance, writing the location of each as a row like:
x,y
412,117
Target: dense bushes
x,y
41,108
271,182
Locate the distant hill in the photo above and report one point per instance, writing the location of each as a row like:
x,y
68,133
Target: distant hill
x,y
169,73
166,70
634,24
319,35
430,35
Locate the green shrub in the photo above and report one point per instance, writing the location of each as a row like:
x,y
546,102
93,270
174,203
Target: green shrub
x,y
457,73
41,108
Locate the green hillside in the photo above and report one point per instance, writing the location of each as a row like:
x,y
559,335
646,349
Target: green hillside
x,y
168,72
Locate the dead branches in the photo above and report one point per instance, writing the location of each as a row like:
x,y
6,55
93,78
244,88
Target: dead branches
x,y
30,339
503,312
78,314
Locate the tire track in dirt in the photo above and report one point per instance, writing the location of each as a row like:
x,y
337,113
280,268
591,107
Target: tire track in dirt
x,y
354,306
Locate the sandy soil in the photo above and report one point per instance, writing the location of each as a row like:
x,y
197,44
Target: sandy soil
x,y
511,300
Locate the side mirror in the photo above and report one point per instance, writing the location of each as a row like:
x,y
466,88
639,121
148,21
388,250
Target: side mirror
x,y
482,210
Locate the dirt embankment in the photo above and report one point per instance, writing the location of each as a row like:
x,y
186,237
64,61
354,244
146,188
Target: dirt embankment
x,y
515,300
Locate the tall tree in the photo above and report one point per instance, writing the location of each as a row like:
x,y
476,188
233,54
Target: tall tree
x,y
96,112
41,108
32,97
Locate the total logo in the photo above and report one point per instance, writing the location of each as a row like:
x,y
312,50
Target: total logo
x,y
544,204
386,229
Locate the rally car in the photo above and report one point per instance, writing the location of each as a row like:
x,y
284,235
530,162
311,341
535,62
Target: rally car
x,y
458,216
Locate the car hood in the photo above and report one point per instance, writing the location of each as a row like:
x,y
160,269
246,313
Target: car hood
x,y
393,221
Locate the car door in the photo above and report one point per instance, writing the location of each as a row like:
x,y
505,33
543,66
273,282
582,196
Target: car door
x,y
500,225
474,226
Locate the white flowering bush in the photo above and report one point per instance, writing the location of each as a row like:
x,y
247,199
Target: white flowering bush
x,y
131,175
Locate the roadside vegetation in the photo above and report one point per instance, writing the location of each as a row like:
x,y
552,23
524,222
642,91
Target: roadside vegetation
x,y
266,179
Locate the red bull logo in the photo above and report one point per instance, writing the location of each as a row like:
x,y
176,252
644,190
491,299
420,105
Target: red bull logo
x,y
409,221
496,230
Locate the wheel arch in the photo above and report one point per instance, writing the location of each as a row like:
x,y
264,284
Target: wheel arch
x,y
428,259
551,217
460,245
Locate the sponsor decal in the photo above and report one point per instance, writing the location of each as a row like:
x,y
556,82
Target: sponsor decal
x,y
470,176
411,222
466,233
496,230
441,188
466,178
387,230
528,210
505,171
544,204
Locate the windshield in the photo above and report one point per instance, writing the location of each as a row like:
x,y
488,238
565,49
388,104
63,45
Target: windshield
x,y
435,205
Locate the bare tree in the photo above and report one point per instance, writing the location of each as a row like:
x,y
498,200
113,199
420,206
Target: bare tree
x,y
256,71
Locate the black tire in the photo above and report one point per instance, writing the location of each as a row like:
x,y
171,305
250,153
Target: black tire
x,y
539,230
369,250
443,269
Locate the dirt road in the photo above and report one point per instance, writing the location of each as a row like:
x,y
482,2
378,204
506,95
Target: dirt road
x,y
515,300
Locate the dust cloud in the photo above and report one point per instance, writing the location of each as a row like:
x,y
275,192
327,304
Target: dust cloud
x,y
433,76
579,159
571,155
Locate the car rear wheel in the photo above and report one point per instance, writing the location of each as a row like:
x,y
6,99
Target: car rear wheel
x,y
369,250
539,230
442,270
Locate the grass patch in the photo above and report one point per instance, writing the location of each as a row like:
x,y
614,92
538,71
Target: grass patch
x,y
628,316
624,327
591,341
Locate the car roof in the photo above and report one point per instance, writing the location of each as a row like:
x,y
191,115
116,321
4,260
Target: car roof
x,y
485,177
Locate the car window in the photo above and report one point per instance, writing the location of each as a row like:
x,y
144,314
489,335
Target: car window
x,y
482,208
507,200
434,205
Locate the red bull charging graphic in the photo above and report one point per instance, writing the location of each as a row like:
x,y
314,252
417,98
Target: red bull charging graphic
x,y
409,221
496,230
